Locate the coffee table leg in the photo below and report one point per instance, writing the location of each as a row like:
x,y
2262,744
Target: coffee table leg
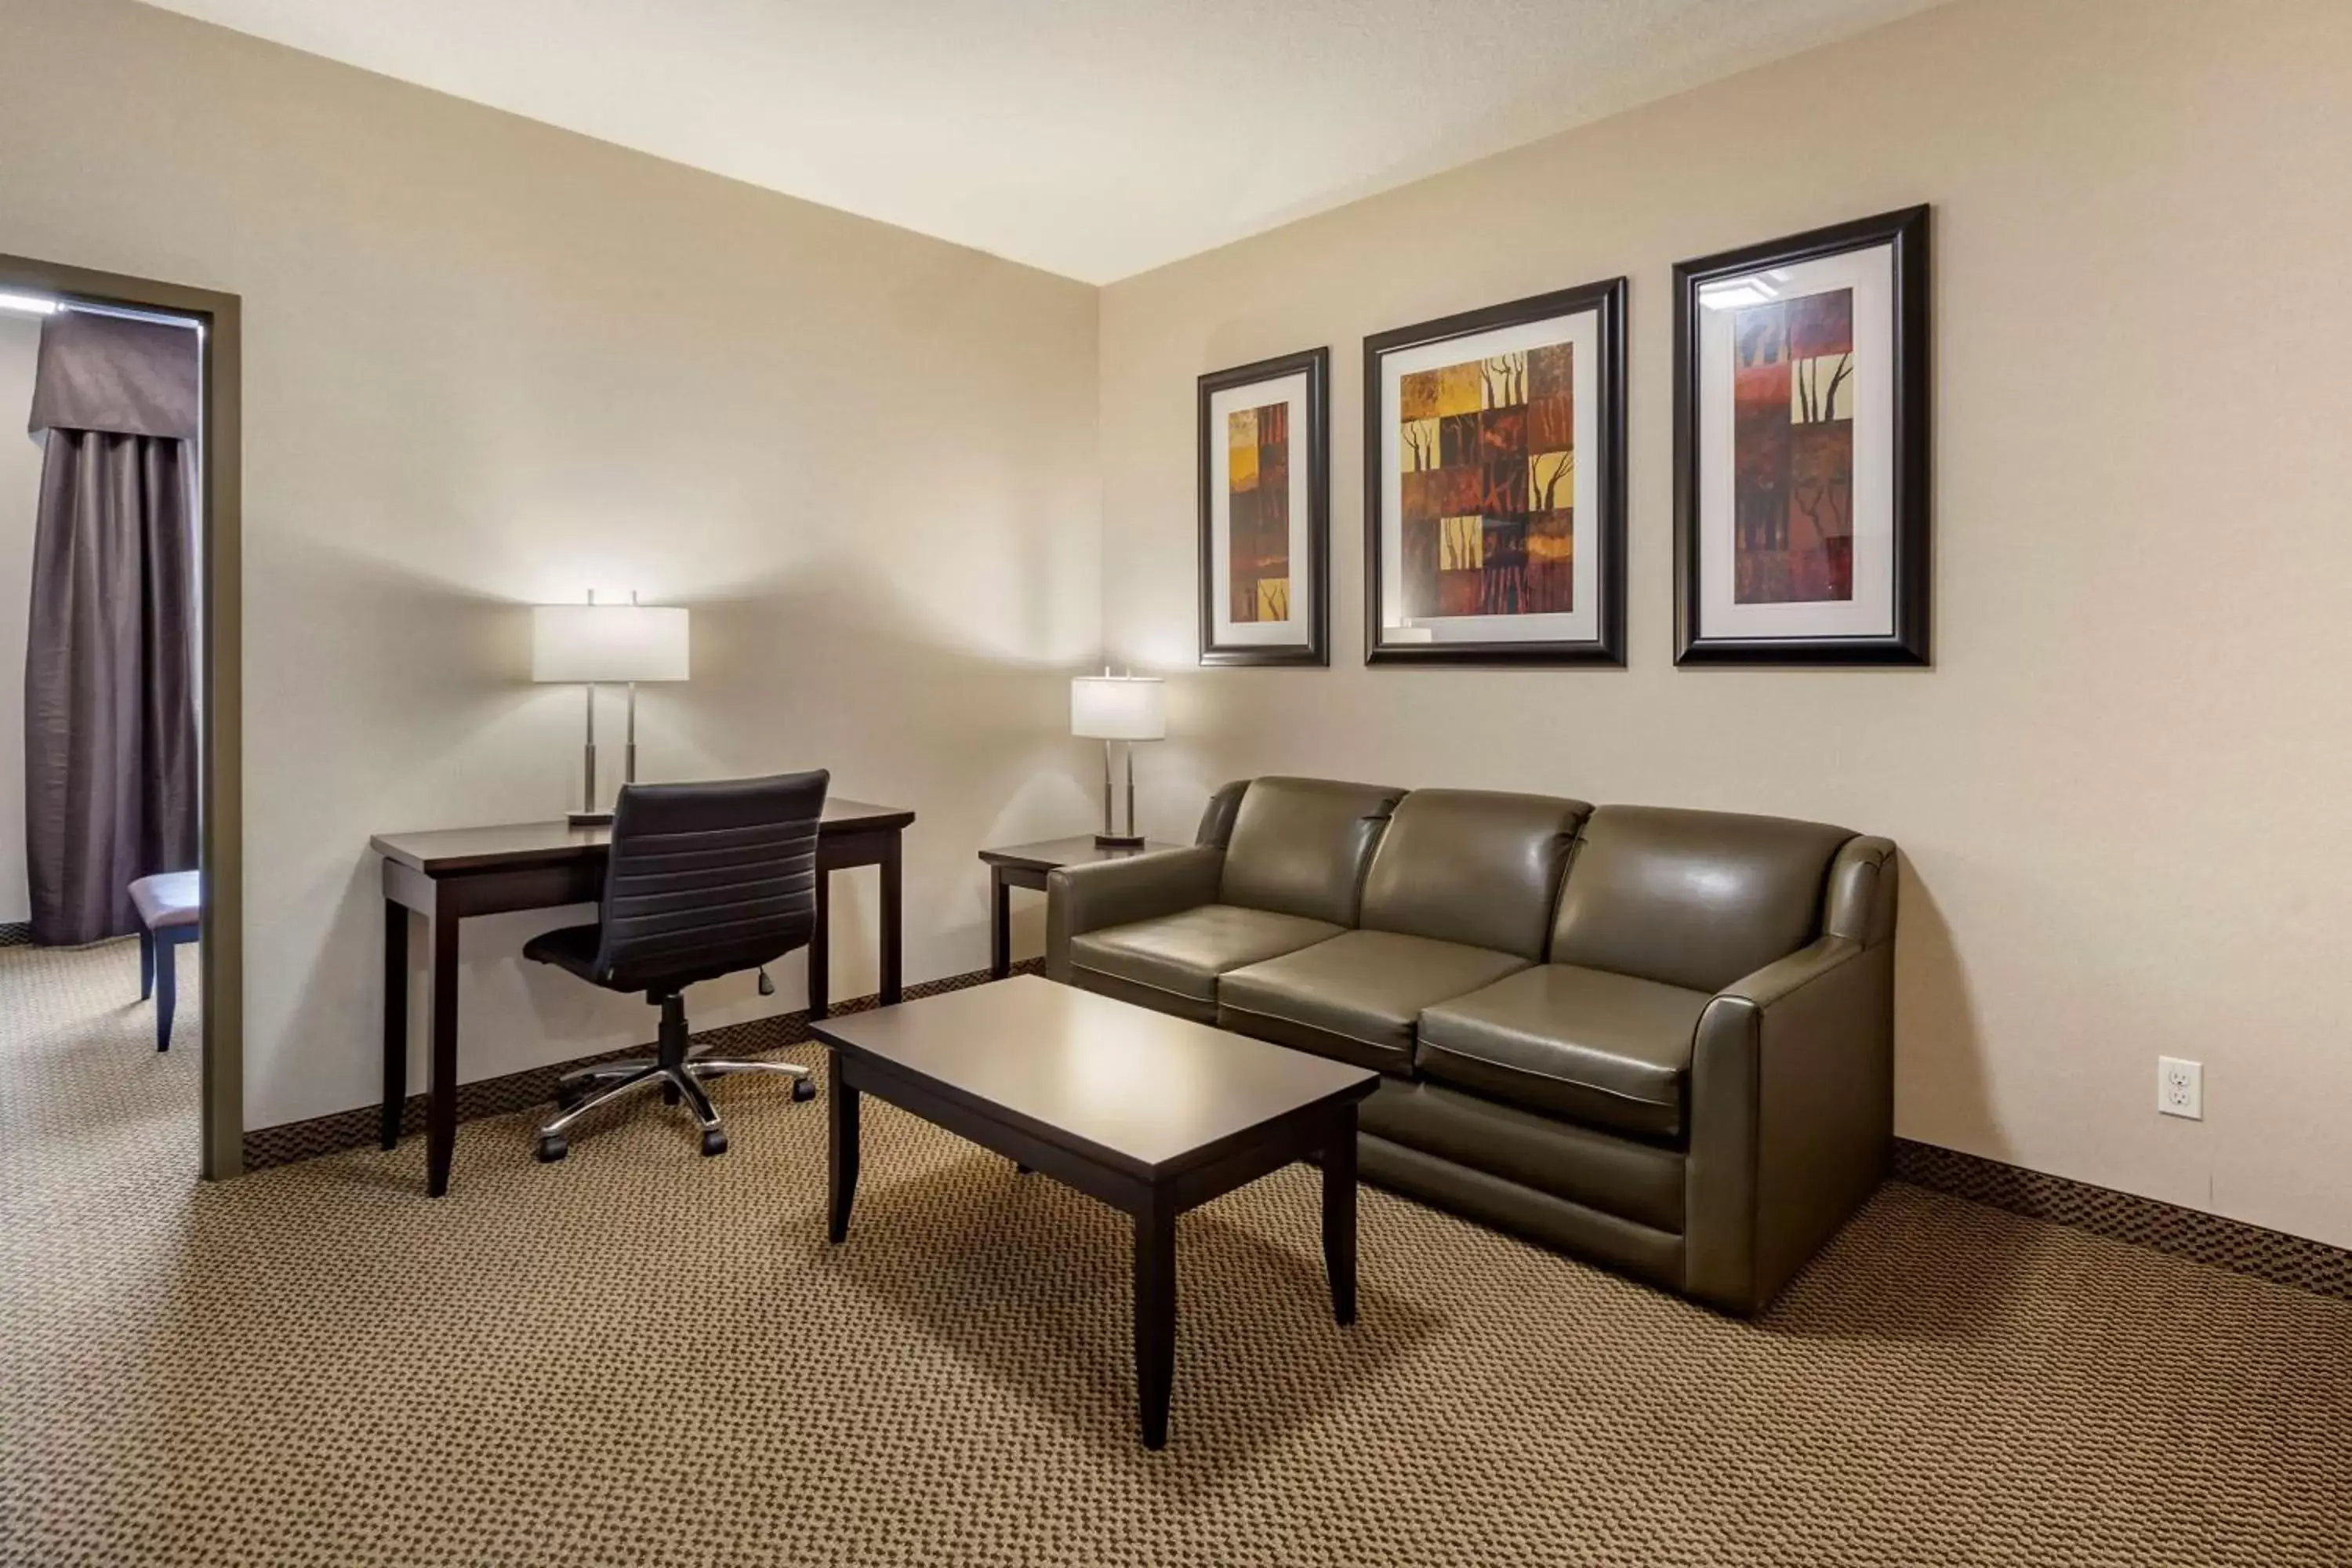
x,y
1155,1315
841,1107
1340,1217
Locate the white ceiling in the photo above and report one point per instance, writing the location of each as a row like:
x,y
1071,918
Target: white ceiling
x,y
1093,138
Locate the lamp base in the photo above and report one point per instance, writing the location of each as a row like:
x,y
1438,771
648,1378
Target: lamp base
x,y
589,818
1119,841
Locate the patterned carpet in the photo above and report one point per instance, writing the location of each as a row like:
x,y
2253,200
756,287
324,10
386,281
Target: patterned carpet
x,y
644,1357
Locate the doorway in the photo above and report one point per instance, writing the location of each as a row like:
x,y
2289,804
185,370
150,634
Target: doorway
x,y
39,286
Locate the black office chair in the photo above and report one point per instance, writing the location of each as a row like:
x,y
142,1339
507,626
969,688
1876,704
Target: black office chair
x,y
705,880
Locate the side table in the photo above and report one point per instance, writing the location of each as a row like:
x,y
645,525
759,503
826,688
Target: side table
x,y
1028,866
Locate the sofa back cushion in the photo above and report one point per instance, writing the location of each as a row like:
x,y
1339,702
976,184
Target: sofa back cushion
x,y
1472,866
1696,899
1298,847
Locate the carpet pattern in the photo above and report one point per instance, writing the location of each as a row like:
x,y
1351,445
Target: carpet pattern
x,y
644,1357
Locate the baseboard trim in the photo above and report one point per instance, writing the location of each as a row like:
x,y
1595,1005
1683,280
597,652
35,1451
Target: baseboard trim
x,y
2202,1237
356,1128
15,933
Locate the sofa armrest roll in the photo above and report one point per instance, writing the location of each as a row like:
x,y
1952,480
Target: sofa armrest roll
x,y
1080,898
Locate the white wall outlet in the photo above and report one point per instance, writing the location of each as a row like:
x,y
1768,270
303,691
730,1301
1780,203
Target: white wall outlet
x,y
2180,1087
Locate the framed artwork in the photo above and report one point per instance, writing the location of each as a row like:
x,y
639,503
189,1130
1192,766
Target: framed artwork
x,y
1265,521
1801,449
1494,484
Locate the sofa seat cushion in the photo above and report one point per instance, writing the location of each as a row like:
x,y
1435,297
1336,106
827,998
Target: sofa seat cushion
x,y
1605,1050
1355,997
1183,953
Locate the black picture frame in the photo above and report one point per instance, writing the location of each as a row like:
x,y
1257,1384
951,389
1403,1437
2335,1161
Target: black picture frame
x,y
1906,232
1606,301
1315,365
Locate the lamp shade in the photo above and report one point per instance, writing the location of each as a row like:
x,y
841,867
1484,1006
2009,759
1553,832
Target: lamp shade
x,y
577,643
1118,708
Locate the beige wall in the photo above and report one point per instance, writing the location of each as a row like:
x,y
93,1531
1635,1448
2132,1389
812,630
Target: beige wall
x,y
20,499
2121,790
489,363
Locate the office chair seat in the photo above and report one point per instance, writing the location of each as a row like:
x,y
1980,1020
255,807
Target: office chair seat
x,y
572,949
702,880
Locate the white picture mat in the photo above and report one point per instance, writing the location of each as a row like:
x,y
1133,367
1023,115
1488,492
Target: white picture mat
x,y
1223,628
1870,273
1581,330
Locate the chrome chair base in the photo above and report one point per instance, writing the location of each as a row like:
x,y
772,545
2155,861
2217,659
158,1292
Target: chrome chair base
x,y
589,1089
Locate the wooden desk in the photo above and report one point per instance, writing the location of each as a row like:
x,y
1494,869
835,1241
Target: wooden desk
x,y
1028,866
448,875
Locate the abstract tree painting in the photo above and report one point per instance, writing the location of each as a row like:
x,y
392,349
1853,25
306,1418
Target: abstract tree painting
x,y
1801,448
1264,477
1792,450
1494,484
1257,476
1487,450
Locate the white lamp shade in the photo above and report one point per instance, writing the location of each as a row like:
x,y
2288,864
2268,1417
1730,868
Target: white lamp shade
x,y
1118,708
577,643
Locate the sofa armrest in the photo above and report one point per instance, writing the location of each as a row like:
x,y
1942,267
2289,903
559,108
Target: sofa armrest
x,y
1080,898
1863,891
1791,1116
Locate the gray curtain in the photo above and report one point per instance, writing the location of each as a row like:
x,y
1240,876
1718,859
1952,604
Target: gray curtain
x,y
111,787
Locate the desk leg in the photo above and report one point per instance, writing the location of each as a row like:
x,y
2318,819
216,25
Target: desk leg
x,y
441,1118
894,927
1340,1217
841,1118
820,948
1155,1314
396,1020
999,924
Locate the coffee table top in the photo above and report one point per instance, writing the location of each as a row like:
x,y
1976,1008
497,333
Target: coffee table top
x,y
1135,1089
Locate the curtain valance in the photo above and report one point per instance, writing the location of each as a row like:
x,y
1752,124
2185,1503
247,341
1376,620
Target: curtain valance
x,y
116,375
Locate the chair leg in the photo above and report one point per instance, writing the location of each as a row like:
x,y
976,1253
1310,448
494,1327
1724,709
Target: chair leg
x,y
645,1079
707,1070
167,990
146,964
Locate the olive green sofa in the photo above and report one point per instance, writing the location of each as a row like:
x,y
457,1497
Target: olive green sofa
x,y
1659,1039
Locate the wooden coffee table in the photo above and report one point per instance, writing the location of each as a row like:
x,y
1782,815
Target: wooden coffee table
x,y
1151,1115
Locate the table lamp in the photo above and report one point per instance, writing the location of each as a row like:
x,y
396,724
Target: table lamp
x,y
591,643
1108,708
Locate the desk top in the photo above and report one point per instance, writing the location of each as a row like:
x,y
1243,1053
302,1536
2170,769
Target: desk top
x,y
1140,1090
439,851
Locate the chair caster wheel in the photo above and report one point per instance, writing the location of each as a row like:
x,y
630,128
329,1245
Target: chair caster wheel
x,y
714,1141
552,1148
803,1088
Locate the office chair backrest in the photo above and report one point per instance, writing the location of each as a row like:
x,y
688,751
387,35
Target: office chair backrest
x,y
708,879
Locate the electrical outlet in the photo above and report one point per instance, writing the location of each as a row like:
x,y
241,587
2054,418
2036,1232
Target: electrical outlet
x,y
2180,1087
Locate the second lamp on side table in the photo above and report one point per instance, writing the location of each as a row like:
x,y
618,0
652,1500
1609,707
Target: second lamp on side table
x,y
1028,866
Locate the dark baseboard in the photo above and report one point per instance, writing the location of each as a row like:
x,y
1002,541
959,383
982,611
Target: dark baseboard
x,y
2193,1234
15,933
356,1128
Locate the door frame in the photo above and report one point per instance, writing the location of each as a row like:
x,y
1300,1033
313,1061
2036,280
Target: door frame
x,y
220,577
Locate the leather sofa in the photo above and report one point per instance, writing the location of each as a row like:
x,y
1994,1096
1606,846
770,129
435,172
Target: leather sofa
x,y
1659,1039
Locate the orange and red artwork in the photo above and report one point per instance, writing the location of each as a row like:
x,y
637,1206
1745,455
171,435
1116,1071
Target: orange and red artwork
x,y
1487,454
1257,489
1792,450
